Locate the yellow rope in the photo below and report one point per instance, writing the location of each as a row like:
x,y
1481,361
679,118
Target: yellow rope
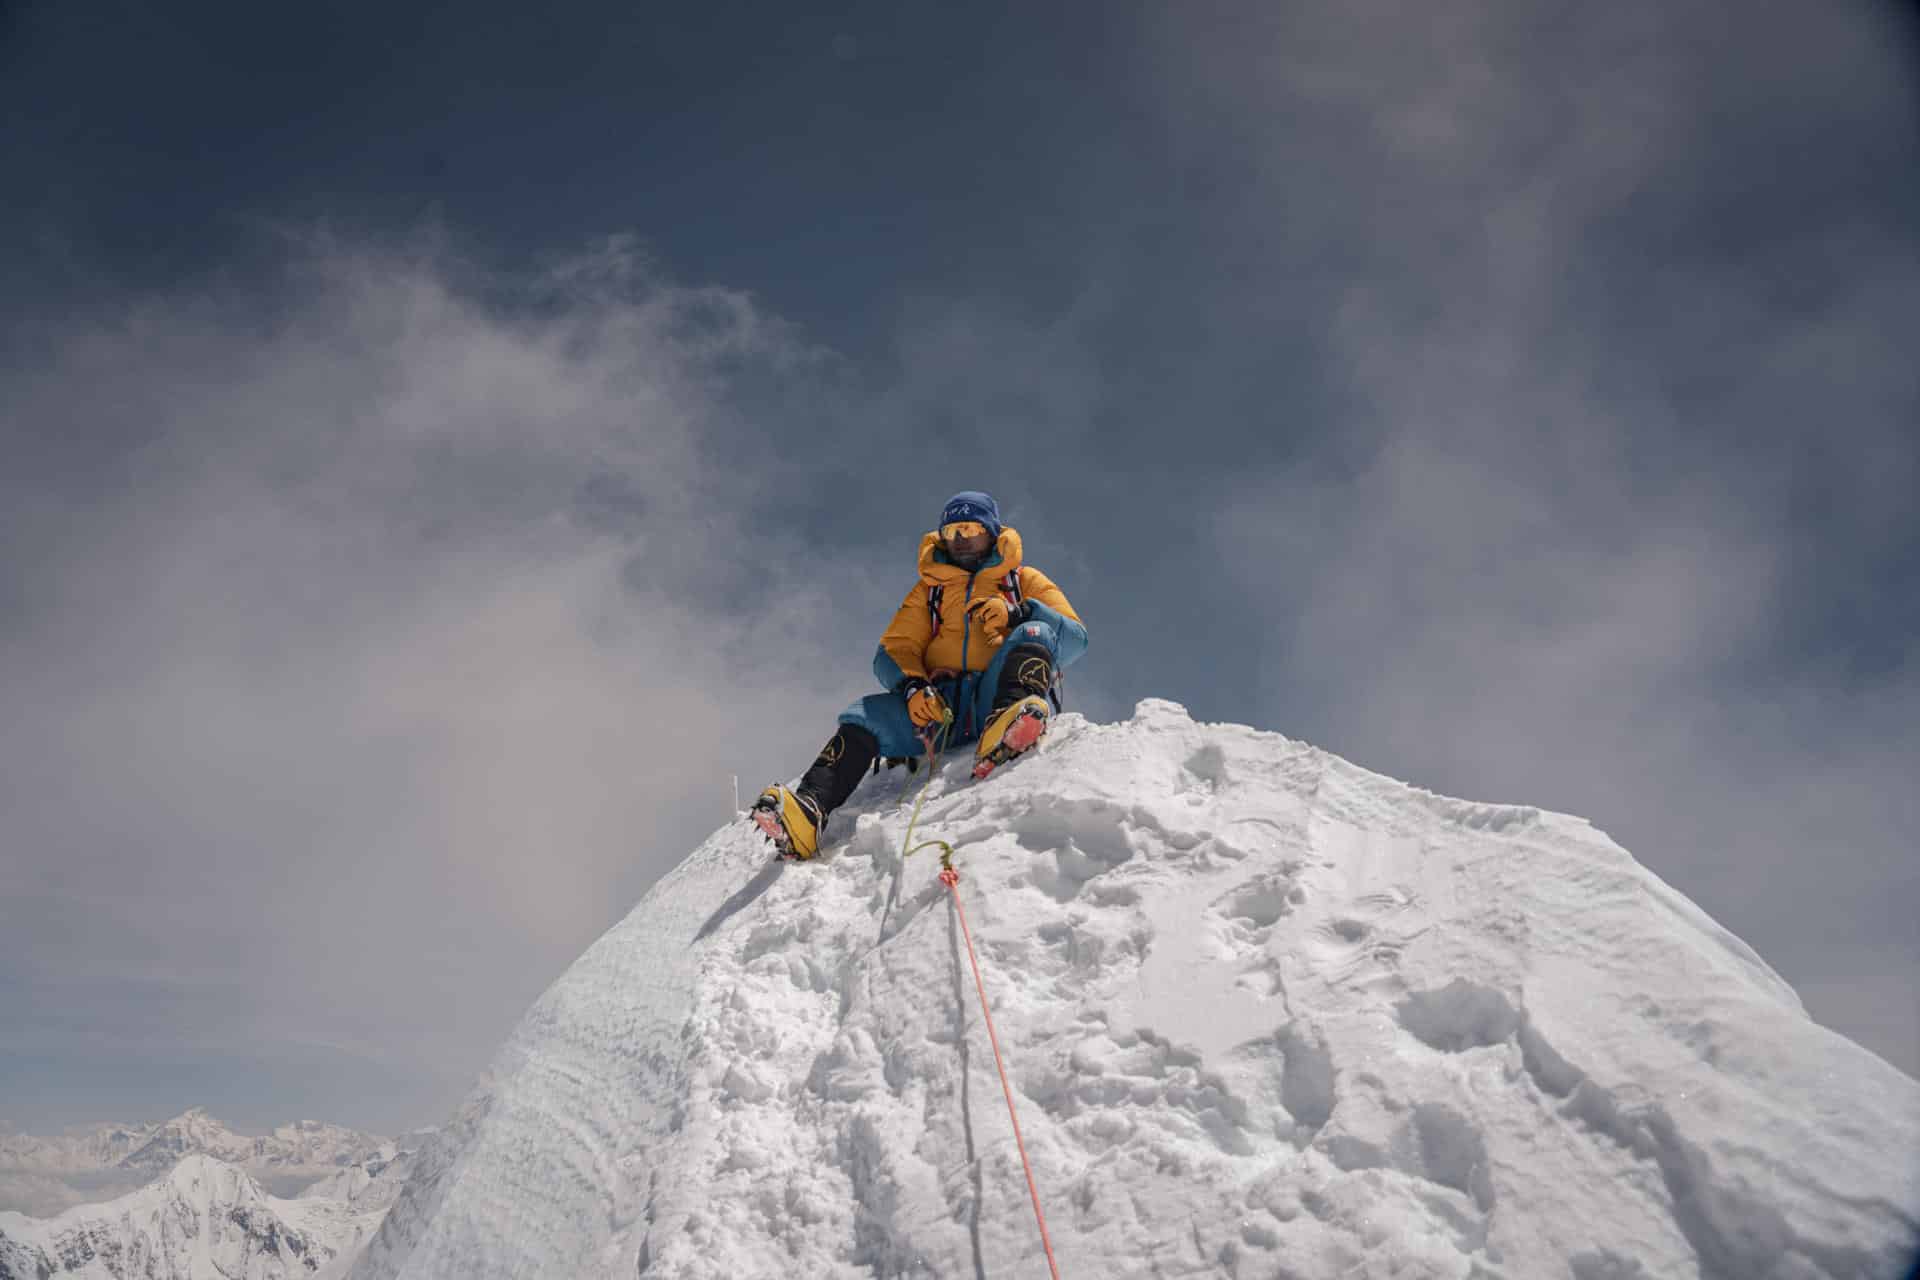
x,y
907,847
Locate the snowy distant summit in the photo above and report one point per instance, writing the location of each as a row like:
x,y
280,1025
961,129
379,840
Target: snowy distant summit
x,y
375,1182
305,1147
100,1146
41,1176
189,1133
204,1220
1266,1013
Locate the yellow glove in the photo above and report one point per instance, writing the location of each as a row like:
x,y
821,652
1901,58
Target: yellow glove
x,y
994,616
924,704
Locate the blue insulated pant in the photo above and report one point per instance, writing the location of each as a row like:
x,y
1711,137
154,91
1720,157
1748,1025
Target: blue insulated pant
x,y
970,695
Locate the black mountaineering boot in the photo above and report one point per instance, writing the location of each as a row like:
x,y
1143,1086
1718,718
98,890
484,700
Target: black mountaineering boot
x,y
837,770
1020,709
1028,672
795,819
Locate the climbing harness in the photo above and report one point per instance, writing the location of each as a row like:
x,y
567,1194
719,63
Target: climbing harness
x,y
950,877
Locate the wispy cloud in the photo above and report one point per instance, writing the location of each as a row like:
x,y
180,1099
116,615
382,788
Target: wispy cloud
x,y
369,652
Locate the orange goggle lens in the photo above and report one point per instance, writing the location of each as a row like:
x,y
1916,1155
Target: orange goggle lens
x,y
962,529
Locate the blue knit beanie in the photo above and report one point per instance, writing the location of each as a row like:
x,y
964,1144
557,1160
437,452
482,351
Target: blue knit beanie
x,y
973,505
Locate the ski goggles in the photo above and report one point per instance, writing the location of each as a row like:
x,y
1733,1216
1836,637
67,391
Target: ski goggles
x,y
962,529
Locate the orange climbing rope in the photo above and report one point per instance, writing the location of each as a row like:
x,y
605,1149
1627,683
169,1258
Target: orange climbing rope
x,y
951,878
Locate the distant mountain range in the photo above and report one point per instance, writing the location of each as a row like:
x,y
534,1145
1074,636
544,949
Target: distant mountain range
x,y
204,1218
183,1200
307,1147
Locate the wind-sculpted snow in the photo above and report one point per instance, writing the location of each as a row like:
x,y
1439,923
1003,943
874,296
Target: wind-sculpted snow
x,y
1266,1014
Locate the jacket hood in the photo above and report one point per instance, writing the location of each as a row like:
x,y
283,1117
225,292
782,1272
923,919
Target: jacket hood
x,y
936,570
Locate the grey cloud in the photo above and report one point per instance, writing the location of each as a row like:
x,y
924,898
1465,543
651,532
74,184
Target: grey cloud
x,y
369,676
1612,438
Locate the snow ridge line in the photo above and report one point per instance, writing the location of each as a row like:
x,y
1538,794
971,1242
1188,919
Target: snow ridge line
x,y
1264,1005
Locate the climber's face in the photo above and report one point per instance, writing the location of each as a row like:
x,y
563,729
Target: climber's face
x,y
967,541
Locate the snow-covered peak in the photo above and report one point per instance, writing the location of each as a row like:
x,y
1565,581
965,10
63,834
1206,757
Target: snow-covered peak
x,y
1265,1013
99,1146
304,1148
201,1182
204,1219
375,1181
192,1131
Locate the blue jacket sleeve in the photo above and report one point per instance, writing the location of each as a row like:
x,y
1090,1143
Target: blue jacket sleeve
x,y
1070,638
885,669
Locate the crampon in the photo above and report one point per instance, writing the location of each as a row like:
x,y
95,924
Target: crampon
x,y
771,814
769,823
1029,723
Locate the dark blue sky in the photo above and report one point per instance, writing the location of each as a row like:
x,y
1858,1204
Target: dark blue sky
x,y
1516,399
837,162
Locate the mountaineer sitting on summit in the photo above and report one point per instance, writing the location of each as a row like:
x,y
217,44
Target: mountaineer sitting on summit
x,y
972,654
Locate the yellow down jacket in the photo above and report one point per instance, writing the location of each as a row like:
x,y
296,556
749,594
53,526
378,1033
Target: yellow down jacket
x,y
922,644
